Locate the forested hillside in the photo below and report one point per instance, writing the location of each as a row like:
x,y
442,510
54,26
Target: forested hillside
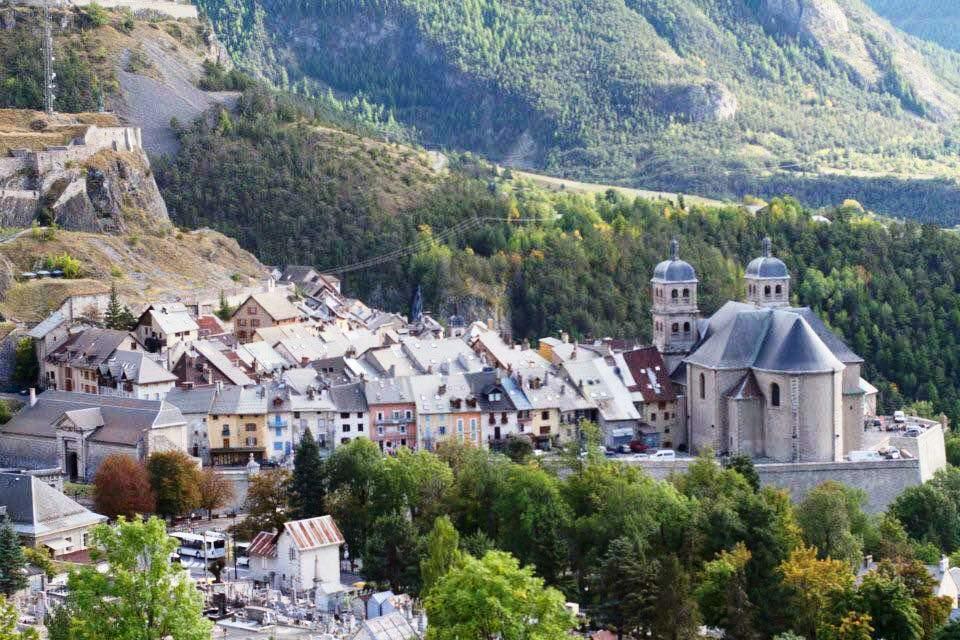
x,y
585,267
718,98
937,20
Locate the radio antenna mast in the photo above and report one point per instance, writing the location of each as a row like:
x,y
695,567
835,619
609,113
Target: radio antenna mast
x,y
49,76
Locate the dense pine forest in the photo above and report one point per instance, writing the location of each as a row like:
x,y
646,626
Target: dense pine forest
x,y
717,98
890,288
936,20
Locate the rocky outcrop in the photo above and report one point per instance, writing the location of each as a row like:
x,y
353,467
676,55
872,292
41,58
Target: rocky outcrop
x,y
106,193
814,19
707,102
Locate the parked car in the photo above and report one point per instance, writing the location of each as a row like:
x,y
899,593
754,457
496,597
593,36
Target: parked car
x,y
889,453
664,454
913,432
638,446
640,456
899,417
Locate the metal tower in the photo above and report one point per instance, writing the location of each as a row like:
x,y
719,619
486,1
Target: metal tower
x,y
49,76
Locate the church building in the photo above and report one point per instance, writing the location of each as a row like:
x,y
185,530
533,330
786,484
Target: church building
x,y
760,377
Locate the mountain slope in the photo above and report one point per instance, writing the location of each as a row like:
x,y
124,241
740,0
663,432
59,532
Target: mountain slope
x,y
722,97
936,20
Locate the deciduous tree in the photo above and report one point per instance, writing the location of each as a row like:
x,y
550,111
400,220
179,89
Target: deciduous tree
x,y
442,553
175,479
267,503
141,596
122,487
494,599
216,491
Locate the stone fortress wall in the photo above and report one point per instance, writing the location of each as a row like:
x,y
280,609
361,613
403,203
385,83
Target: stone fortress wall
x,y
882,480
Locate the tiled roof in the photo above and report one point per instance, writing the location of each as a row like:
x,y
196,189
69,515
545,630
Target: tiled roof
x,y
88,349
647,374
314,533
276,305
52,321
221,363
264,544
173,321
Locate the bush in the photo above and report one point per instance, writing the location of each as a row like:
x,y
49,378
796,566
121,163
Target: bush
x,y
95,16
64,262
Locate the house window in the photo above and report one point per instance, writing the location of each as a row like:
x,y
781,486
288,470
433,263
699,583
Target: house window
x,y
443,430
344,415
686,327
380,416
251,426
408,414
673,294
296,414
360,415
226,443
653,417
544,415
293,553
775,394
226,430
403,442
359,428
379,431
703,387
251,442
346,428
252,310
460,425
686,293
403,428
675,327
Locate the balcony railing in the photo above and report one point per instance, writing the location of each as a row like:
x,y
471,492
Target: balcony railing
x,y
386,420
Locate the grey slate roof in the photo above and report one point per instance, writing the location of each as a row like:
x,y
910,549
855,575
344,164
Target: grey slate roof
x,y
483,383
35,508
88,349
124,419
674,271
349,397
839,348
192,401
240,401
52,321
767,267
740,336
136,367
392,626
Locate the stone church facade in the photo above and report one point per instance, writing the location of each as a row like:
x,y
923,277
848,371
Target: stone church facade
x,y
760,377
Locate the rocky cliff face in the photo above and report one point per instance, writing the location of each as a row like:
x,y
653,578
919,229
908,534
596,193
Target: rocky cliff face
x,y
105,194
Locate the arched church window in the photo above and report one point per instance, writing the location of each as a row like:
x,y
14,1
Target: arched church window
x,y
775,394
686,293
703,387
686,327
675,327
779,290
766,291
673,294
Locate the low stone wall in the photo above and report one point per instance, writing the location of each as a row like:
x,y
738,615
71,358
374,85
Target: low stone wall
x,y
929,448
882,480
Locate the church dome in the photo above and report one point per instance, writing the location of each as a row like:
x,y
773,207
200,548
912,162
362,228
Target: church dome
x,y
767,266
674,269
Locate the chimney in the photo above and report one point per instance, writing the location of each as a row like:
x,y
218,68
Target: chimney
x,y
33,396
564,337
393,371
219,386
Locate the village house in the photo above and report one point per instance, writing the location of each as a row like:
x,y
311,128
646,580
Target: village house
x,y
75,432
499,400
599,384
302,556
207,363
263,310
654,395
393,419
195,405
352,417
162,326
446,409
132,374
237,426
75,364
45,518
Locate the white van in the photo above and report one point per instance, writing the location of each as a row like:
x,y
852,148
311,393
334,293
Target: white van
x,y
664,454
864,456
899,417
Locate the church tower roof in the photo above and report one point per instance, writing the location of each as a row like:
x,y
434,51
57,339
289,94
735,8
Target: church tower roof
x,y
674,269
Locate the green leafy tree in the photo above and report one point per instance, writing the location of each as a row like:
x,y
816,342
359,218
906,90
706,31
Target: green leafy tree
x,y
743,465
267,503
892,610
141,596
9,620
26,367
40,559
494,599
176,480
307,486
928,514
625,589
722,594
57,623
442,553
352,473
950,631
12,561
832,521
392,554
676,616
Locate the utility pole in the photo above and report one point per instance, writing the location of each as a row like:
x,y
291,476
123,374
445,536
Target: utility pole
x,y
48,59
